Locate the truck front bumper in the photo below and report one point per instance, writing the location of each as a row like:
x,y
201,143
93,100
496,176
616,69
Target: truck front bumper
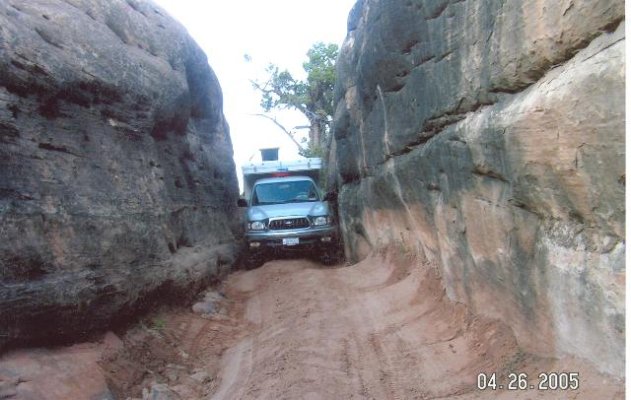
x,y
296,239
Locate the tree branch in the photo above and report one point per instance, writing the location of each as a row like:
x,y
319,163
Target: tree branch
x,y
278,124
258,86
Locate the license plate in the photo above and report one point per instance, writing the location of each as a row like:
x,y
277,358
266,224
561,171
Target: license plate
x,y
290,241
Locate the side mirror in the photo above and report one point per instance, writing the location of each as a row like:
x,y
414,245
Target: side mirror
x,y
242,203
330,196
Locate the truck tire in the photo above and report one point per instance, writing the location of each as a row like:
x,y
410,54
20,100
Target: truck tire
x,y
329,257
252,260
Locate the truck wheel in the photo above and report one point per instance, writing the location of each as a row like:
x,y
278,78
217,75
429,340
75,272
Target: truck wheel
x,y
253,260
329,257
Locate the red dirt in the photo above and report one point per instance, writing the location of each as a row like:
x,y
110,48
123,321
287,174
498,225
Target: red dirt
x,y
293,329
381,329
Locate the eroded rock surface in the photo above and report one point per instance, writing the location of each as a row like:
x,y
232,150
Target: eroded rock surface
x,y
488,138
117,185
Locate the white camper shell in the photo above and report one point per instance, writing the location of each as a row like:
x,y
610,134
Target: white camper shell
x,y
252,172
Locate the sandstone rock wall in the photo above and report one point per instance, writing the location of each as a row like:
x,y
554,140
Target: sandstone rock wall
x,y
117,185
488,138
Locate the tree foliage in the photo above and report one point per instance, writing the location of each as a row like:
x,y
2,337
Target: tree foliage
x,y
313,97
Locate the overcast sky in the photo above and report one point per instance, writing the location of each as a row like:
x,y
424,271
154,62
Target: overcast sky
x,y
276,31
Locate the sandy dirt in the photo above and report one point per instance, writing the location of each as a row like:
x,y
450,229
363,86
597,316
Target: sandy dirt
x,y
294,329
382,329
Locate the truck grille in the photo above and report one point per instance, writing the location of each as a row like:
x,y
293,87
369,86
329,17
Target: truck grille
x,y
289,223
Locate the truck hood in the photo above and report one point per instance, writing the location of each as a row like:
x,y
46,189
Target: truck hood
x,y
314,208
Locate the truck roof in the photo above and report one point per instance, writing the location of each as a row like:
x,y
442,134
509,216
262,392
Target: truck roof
x,y
292,178
307,164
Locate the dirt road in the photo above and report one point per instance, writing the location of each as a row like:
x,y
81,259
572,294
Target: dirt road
x,y
293,329
382,329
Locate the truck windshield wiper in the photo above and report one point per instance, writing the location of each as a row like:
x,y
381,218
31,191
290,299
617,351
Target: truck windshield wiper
x,y
300,201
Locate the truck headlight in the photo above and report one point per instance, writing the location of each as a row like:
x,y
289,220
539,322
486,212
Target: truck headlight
x,y
256,226
319,221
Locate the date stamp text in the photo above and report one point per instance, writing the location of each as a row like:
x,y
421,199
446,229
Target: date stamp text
x,y
521,381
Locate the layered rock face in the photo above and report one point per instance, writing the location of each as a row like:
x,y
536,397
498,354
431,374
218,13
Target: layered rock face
x,y
117,185
488,138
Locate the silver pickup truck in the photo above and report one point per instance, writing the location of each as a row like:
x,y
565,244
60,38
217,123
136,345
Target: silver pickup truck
x,y
288,213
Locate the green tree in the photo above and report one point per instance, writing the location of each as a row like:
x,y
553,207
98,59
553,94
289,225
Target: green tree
x,y
313,97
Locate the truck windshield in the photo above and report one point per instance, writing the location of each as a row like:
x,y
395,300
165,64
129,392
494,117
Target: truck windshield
x,y
284,192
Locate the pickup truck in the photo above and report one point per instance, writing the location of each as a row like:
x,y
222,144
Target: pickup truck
x,y
287,212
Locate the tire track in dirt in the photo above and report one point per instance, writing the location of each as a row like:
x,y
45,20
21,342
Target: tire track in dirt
x,y
293,329
237,363
381,329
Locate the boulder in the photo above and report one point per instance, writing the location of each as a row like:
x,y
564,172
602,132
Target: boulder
x,y
488,138
57,374
117,184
